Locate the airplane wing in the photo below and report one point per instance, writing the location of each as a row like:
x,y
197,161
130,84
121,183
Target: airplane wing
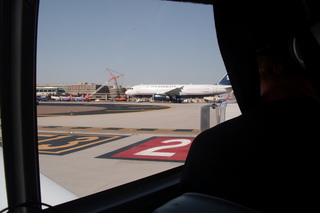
x,y
173,92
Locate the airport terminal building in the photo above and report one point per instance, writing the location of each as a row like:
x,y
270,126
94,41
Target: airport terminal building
x,y
81,89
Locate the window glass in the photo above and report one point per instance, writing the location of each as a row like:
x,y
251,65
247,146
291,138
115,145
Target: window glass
x,y
94,137
3,191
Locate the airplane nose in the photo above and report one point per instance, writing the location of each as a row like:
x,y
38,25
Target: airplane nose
x,y
129,92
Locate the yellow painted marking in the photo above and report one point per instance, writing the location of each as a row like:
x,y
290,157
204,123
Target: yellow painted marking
x,y
156,108
120,110
124,130
78,147
70,143
53,138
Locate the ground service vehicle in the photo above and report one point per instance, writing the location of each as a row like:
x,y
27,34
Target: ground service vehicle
x,y
237,23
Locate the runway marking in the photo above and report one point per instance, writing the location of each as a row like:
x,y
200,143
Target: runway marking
x,y
120,130
80,127
53,137
146,129
119,111
107,108
111,128
49,127
60,144
155,148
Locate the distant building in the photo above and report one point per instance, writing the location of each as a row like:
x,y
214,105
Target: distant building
x,y
116,92
84,88
49,90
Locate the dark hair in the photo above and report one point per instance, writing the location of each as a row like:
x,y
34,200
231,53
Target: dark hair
x,y
278,67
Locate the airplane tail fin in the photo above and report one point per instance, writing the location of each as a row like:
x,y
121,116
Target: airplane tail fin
x,y
224,81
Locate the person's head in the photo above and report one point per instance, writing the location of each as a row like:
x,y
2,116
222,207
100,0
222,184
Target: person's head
x,y
278,31
280,78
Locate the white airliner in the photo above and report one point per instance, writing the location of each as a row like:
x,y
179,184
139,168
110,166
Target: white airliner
x,y
176,91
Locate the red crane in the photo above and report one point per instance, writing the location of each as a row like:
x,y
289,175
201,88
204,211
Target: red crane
x,y
115,81
114,77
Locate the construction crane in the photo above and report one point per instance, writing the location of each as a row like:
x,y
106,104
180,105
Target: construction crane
x,y
115,82
114,78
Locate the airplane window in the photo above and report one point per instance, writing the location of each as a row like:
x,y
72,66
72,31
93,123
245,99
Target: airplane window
x,y
94,135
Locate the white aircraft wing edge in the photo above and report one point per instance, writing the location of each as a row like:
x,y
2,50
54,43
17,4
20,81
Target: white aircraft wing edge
x,y
175,91
51,192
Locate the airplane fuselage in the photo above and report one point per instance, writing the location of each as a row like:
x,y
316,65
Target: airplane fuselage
x,y
198,90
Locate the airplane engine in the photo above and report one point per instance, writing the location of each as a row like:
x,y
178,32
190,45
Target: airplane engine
x,y
159,97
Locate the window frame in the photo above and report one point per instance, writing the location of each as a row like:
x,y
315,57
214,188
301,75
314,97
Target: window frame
x,y
18,98
18,39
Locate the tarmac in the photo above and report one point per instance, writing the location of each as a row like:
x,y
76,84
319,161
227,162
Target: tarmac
x,y
87,149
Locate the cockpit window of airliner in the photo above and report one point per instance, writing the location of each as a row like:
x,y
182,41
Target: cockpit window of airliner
x,y
120,88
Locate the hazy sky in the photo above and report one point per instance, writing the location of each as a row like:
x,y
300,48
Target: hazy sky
x,y
149,41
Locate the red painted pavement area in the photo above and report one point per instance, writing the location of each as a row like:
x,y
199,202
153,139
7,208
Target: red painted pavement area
x,y
157,148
